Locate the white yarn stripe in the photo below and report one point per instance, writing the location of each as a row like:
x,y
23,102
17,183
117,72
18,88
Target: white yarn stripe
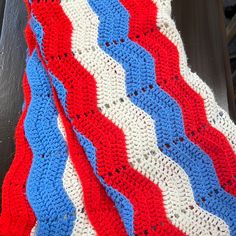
x,y
33,231
138,127
73,188
216,116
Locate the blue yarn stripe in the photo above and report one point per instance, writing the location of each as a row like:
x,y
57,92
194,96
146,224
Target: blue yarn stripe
x,y
122,204
140,73
38,30
54,211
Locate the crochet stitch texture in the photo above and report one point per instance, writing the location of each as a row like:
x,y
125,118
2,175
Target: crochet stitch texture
x,y
117,135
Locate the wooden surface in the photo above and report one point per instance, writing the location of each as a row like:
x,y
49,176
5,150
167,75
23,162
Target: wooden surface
x,y
202,27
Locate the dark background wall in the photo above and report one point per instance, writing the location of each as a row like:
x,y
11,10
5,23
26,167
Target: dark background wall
x,y
230,22
201,23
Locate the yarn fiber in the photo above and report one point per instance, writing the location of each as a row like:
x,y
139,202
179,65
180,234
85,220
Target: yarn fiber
x,y
117,136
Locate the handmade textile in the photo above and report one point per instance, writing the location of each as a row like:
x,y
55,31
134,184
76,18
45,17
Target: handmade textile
x,y
117,135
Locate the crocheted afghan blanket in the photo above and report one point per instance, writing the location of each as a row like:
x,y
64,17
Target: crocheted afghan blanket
x,y
117,136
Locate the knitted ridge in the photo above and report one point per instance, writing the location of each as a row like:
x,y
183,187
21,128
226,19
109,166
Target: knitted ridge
x,y
143,31
54,211
111,87
86,117
17,218
116,43
216,116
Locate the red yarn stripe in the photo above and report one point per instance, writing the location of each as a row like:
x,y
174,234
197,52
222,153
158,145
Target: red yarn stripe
x,y
17,217
144,31
109,140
